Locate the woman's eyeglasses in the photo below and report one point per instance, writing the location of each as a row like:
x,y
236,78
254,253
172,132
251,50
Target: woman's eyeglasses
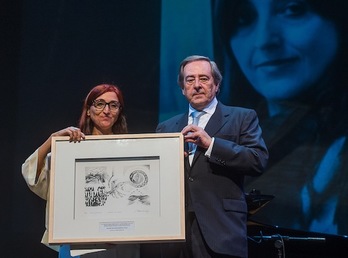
x,y
100,104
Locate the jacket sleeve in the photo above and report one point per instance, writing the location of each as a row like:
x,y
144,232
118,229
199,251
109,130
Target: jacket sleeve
x,y
37,185
243,151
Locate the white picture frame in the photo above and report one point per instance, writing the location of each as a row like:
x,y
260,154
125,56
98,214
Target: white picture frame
x,y
117,189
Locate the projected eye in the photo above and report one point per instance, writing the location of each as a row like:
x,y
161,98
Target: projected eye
x,y
295,9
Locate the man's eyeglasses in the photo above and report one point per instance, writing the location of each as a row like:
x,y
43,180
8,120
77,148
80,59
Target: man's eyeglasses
x,y
100,104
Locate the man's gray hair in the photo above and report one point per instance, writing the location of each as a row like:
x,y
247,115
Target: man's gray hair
x,y
214,69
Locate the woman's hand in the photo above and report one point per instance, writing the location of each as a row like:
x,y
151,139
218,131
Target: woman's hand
x,y
74,133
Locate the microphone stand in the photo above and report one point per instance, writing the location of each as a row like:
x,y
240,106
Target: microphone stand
x,y
279,241
255,201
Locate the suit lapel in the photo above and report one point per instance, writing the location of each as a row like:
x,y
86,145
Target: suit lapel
x,y
217,120
180,124
215,123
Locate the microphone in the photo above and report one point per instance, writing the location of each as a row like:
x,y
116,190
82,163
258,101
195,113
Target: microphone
x,y
289,238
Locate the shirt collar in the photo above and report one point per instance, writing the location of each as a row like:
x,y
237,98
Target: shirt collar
x,y
210,109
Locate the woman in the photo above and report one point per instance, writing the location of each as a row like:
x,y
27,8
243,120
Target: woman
x,y
288,60
102,113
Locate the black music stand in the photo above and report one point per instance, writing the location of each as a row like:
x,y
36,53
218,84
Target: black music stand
x,y
256,201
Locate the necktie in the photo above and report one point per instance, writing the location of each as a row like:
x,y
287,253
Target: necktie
x,y
195,119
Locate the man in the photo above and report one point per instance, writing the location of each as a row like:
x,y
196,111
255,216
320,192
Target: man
x,y
229,146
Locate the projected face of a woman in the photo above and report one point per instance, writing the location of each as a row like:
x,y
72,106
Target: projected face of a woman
x,y
282,46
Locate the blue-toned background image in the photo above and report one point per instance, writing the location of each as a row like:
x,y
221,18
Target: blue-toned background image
x,y
287,59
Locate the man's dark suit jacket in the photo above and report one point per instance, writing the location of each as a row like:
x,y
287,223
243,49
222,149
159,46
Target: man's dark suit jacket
x,y
215,185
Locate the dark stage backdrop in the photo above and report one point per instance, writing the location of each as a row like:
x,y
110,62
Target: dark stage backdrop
x,y
53,52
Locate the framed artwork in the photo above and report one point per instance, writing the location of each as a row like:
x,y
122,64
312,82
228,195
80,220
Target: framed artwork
x,y
117,189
